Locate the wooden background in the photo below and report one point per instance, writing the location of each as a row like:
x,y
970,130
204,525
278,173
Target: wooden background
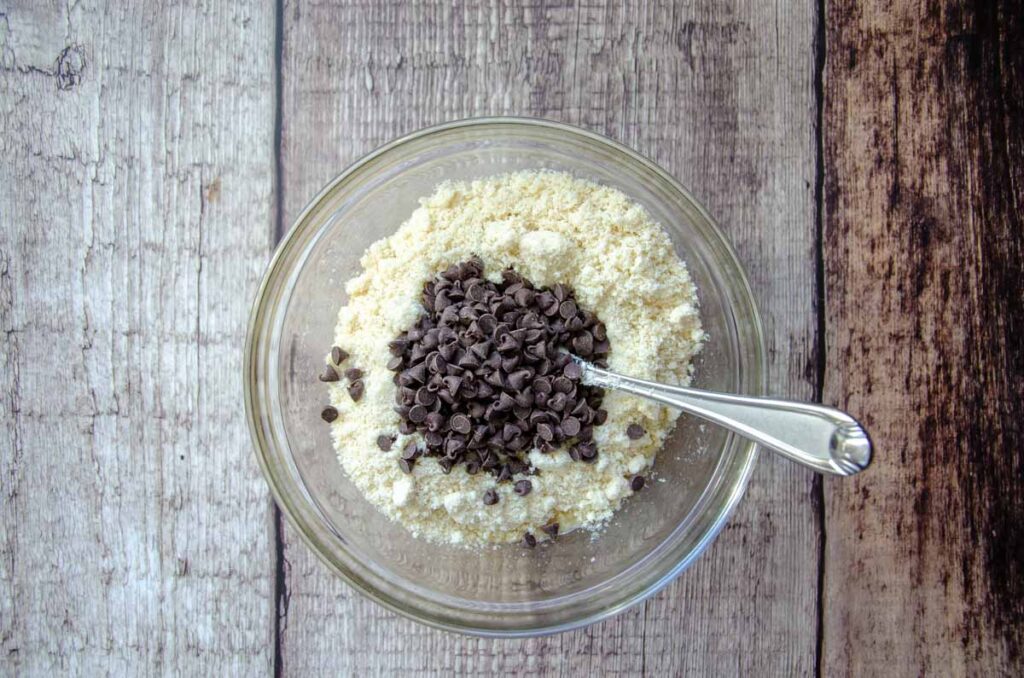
x,y
864,156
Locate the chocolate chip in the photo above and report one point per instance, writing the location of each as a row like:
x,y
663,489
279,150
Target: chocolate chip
x,y
522,487
490,497
482,373
635,431
418,373
385,442
551,529
546,432
570,426
461,423
529,540
583,344
353,374
398,347
637,483
562,385
329,374
600,417
406,465
329,414
337,355
423,396
588,450
355,390
410,452
452,383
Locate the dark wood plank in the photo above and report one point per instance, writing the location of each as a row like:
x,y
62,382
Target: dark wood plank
x,y
924,144
135,193
720,93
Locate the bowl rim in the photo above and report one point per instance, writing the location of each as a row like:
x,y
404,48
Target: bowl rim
x,y
250,361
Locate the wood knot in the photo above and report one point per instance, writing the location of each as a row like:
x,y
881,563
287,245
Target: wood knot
x,y
70,65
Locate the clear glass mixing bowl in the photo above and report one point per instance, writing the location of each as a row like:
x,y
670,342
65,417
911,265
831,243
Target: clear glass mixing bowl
x,y
510,590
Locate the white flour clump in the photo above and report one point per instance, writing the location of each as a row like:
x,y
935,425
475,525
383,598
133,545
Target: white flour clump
x,y
553,228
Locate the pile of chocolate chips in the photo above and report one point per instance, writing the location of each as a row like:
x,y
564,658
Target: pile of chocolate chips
x,y
485,374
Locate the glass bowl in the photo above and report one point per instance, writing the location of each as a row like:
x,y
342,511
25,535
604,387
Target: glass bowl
x,y
508,590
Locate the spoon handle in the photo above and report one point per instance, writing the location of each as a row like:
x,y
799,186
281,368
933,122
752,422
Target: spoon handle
x,y
821,438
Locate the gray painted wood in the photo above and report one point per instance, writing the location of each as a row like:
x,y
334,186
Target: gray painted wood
x,y
135,199
722,95
137,212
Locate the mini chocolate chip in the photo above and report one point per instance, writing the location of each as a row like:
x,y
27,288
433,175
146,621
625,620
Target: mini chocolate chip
x,y
562,385
460,423
583,344
573,371
406,465
338,355
600,417
353,374
436,363
385,442
418,373
635,431
355,390
452,383
588,450
522,487
637,483
551,529
446,464
529,540
329,374
490,497
329,414
398,347
546,432
410,452
570,426
481,373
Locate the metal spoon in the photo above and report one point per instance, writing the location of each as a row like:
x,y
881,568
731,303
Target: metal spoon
x,y
821,438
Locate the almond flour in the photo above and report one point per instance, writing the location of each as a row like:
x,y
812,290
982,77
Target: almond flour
x,y
552,228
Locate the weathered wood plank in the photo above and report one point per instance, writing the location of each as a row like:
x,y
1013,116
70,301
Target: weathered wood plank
x,y
135,196
924,125
719,93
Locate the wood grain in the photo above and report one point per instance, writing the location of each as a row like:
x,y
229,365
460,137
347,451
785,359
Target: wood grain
x,y
135,194
722,95
923,246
